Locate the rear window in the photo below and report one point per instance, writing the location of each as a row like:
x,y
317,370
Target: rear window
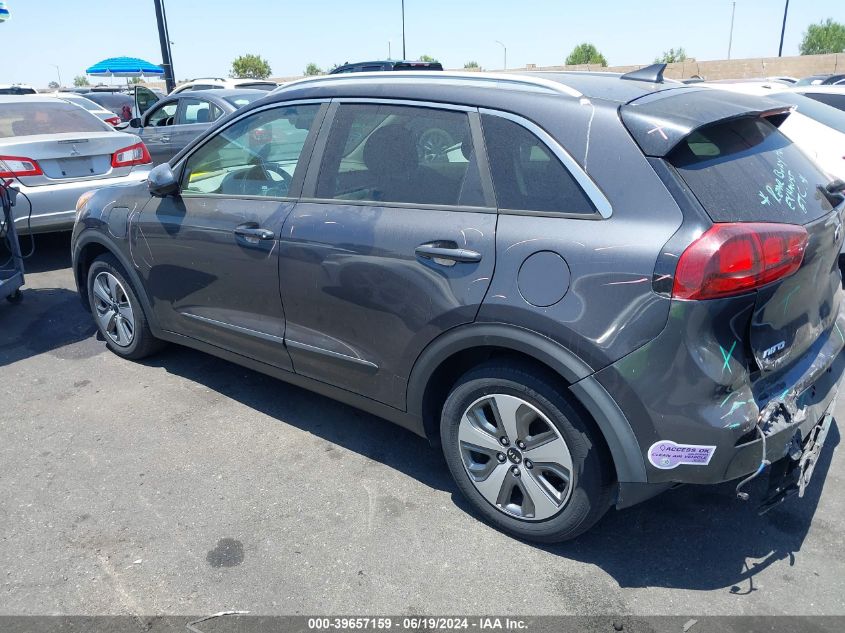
x,y
29,119
745,170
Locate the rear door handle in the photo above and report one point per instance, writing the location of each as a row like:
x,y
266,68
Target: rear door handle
x,y
253,233
448,251
164,139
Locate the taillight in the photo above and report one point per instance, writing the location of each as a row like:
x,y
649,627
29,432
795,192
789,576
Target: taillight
x,y
133,155
113,120
17,166
730,259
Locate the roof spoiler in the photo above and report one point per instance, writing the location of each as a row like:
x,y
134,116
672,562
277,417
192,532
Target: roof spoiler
x,y
660,120
652,74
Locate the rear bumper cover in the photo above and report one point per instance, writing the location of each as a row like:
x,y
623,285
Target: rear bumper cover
x,y
674,393
54,206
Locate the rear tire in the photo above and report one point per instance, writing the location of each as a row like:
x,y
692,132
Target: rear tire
x,y
549,483
118,312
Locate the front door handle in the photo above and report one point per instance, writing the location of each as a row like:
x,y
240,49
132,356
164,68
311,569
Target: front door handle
x,y
164,139
449,251
251,232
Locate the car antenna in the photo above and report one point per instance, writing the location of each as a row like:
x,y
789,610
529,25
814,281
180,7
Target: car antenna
x,y
652,74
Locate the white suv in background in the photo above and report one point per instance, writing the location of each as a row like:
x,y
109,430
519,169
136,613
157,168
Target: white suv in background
x,y
211,83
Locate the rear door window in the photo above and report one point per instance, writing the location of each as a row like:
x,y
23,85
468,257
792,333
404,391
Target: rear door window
x,y
527,176
405,154
745,170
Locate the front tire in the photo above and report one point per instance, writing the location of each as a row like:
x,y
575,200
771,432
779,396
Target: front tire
x,y
528,461
117,311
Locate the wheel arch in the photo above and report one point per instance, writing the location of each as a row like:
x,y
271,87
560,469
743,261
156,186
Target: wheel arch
x,y
455,352
87,247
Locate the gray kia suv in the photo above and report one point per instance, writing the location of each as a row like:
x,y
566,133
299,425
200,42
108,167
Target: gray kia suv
x,y
590,288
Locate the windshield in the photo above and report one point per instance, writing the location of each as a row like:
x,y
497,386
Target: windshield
x,y
240,101
39,117
825,114
81,101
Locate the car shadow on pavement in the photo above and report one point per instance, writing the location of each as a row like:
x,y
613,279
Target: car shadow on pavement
x,y
47,321
693,537
52,252
351,428
703,537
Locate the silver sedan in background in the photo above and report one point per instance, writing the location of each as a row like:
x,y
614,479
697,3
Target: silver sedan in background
x,y
94,108
56,151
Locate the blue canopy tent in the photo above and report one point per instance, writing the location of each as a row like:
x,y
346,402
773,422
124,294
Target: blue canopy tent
x,y
125,67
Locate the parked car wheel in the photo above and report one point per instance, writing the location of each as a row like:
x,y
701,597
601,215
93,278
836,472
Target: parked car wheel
x,y
526,459
117,310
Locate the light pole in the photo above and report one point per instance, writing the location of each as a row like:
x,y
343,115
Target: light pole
x,y
404,56
389,54
505,49
731,37
164,42
783,29
59,73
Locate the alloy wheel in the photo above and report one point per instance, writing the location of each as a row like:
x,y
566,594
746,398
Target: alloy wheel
x,y
113,309
515,457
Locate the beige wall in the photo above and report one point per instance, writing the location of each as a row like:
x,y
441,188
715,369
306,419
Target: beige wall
x,y
799,66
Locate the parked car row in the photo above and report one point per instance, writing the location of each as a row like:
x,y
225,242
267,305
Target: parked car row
x,y
586,288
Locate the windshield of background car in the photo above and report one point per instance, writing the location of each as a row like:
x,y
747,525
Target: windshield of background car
x,y
745,170
825,114
82,101
29,119
239,101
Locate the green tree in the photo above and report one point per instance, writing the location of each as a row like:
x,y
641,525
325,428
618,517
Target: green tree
x,y
313,69
53,85
426,58
824,37
585,53
80,80
472,65
671,56
250,67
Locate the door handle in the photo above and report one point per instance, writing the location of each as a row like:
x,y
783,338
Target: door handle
x,y
253,233
446,250
164,139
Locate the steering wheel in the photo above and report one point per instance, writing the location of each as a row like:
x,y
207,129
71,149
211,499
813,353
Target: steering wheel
x,y
244,182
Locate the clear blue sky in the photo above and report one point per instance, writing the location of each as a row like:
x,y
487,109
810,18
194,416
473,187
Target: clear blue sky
x,y
208,34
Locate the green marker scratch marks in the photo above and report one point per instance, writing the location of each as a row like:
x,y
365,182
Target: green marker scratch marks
x,y
726,356
786,299
728,397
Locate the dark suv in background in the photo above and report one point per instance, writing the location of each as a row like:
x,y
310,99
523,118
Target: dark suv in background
x,y
603,286
390,64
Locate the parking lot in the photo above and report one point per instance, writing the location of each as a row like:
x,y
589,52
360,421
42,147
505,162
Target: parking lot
x,y
187,485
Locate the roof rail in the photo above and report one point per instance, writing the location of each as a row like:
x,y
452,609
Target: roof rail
x,y
501,79
652,74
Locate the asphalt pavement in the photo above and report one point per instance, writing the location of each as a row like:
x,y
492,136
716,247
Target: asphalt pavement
x,y
185,484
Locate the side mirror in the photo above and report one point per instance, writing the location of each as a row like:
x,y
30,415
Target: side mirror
x,y
161,182
136,122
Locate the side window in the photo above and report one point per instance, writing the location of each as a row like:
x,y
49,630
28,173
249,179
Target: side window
x,y
194,111
164,115
257,156
527,176
408,154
